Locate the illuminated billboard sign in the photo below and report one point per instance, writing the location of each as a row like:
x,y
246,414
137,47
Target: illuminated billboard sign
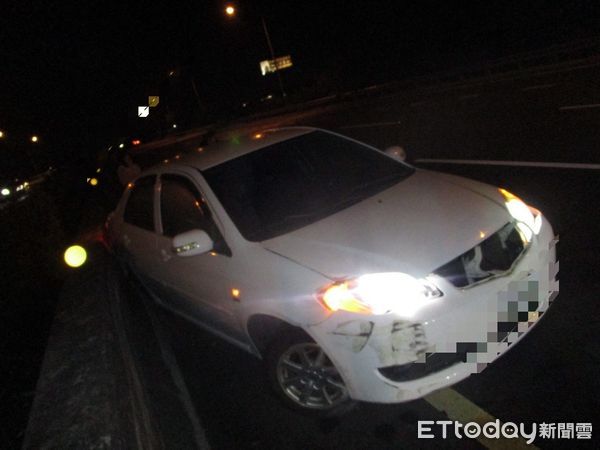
x,y
273,65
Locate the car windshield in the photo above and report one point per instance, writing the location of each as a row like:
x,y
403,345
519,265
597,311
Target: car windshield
x,y
291,184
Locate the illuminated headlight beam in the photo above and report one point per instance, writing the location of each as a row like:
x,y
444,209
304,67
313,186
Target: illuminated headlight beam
x,y
380,293
529,218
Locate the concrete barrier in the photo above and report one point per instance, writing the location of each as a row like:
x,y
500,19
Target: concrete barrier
x,y
94,390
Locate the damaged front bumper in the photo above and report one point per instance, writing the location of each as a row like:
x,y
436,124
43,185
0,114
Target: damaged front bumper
x,y
389,359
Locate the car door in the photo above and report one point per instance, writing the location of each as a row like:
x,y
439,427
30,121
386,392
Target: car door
x,y
138,233
199,286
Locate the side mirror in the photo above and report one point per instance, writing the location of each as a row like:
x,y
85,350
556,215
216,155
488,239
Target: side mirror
x,y
191,243
396,152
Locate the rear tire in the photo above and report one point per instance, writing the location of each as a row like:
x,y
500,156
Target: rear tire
x,y
304,377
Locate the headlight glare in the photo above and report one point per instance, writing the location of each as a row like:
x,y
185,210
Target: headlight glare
x,y
525,232
379,293
527,216
537,221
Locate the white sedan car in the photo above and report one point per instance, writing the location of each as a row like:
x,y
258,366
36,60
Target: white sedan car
x,y
351,274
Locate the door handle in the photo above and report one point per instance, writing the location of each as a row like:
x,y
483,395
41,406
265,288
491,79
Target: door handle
x,y
165,255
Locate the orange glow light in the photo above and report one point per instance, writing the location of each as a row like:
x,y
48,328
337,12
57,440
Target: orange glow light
x,y
507,195
136,142
230,10
258,135
481,234
235,293
339,296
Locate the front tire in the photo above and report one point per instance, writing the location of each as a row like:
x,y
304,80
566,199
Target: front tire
x,y
304,377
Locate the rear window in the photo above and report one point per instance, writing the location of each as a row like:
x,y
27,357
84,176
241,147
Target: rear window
x,y
139,210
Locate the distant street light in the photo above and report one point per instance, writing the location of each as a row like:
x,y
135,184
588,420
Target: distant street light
x,y
230,10
1,134
34,139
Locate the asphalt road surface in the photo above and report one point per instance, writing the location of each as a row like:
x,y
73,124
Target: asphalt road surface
x,y
552,117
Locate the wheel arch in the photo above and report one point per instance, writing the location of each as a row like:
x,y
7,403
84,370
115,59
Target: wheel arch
x,y
263,328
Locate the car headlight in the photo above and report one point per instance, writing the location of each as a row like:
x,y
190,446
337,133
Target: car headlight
x,y
379,293
5,192
529,219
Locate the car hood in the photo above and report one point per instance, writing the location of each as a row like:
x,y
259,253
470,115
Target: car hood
x,y
414,227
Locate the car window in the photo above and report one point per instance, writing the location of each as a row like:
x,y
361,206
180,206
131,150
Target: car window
x,y
139,210
296,182
183,208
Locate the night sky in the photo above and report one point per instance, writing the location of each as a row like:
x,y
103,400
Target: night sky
x,y
75,72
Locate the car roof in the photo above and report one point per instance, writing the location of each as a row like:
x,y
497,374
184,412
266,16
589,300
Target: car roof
x,y
237,145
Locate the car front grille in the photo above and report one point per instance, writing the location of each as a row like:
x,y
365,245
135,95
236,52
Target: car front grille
x,y
492,257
